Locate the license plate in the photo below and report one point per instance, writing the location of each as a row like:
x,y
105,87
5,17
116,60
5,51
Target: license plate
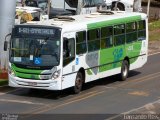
x,y
32,83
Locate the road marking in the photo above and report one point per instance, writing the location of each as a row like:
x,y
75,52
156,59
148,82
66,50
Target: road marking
x,y
150,107
13,90
67,103
141,79
18,101
68,100
2,93
9,91
132,110
51,107
154,54
109,87
136,109
138,81
149,78
139,93
3,86
82,97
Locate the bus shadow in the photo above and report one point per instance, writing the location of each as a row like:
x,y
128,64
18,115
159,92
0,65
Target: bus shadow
x,y
55,95
115,79
133,73
39,93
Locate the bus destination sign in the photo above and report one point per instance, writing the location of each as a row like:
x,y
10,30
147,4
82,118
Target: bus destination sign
x,y
35,31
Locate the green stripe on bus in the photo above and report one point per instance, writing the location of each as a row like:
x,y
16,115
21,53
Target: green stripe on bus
x,y
113,22
23,70
27,76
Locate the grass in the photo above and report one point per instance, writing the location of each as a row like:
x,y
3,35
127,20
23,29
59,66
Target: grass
x,y
154,25
154,37
154,31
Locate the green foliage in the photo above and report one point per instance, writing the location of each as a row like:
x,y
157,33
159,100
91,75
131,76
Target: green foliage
x,y
154,30
154,25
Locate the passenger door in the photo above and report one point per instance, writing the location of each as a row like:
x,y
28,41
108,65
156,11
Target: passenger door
x,y
68,60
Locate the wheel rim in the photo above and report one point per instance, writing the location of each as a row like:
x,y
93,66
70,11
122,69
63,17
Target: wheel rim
x,y
125,71
78,83
116,9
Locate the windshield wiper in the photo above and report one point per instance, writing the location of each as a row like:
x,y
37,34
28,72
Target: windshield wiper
x,y
45,40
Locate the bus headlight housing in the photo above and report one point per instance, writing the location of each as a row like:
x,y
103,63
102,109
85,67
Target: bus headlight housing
x,y
10,71
56,74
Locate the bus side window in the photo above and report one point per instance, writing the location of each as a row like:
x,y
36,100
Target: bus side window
x,y
131,32
106,37
93,40
141,25
68,50
81,42
119,34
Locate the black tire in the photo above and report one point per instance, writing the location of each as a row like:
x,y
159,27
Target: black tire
x,y
78,83
120,7
124,70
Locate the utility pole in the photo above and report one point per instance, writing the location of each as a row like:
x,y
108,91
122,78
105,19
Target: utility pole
x,y
79,6
48,7
23,3
7,20
64,5
149,1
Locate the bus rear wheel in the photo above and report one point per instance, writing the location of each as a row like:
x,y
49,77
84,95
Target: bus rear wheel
x,y
124,70
78,83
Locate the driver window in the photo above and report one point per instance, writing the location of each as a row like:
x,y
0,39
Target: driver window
x,y
68,50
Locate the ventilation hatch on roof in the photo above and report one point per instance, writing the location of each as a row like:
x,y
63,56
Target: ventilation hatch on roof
x,y
105,12
64,18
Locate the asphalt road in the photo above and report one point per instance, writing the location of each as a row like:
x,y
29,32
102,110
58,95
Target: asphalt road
x,y
103,99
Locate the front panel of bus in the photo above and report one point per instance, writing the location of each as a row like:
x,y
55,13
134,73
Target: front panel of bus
x,y
34,59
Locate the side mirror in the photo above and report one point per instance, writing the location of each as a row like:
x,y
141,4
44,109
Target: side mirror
x,y
5,45
6,42
64,54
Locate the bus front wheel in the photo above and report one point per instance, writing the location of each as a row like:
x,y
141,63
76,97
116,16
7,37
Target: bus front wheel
x,y
78,83
124,70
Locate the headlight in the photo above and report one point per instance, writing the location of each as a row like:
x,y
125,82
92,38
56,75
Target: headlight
x,y
56,74
11,72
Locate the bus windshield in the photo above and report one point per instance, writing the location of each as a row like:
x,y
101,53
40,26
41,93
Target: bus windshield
x,y
35,51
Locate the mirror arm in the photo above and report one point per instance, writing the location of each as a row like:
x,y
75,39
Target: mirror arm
x,y
6,42
8,35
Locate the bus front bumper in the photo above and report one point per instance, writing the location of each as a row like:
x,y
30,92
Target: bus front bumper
x,y
37,84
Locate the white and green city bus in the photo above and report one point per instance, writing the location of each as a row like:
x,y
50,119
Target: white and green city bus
x,y
70,51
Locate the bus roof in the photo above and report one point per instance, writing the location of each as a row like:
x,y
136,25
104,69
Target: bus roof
x,y
92,20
